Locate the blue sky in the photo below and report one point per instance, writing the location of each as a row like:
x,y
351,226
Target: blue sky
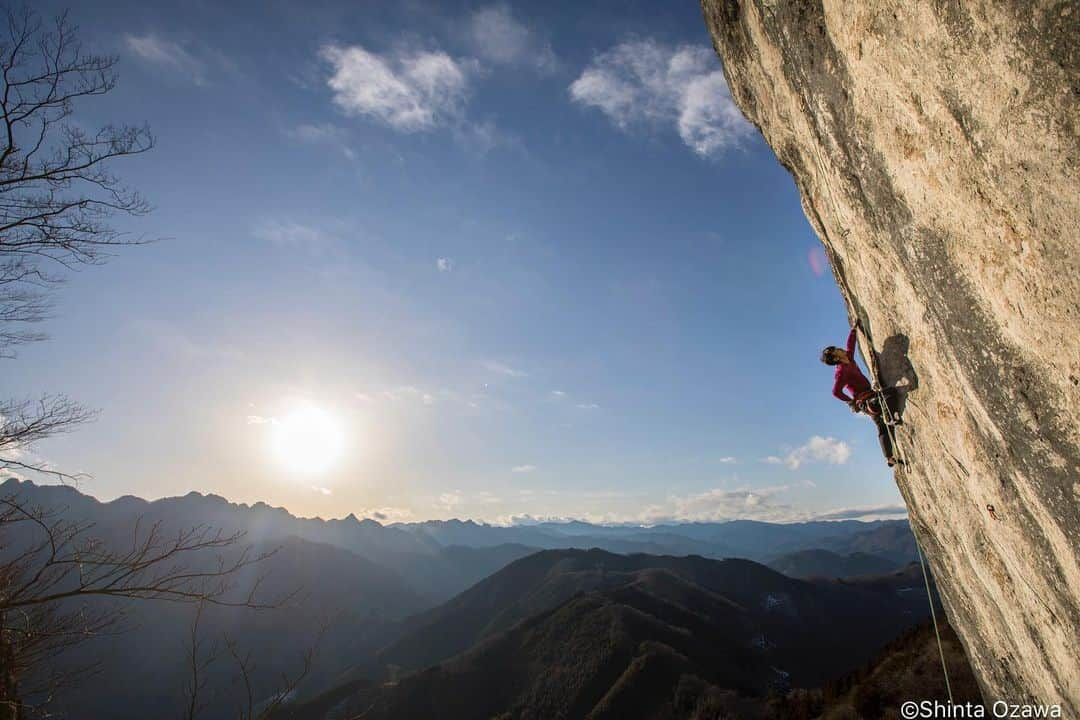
x,y
528,258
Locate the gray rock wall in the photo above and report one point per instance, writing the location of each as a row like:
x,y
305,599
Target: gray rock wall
x,y
935,145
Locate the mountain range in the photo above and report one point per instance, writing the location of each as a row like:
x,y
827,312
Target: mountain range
x,y
442,600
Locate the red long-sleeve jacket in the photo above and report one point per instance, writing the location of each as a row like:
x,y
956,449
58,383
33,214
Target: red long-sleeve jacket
x,y
849,375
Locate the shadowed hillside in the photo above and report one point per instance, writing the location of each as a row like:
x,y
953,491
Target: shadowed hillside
x,y
792,615
588,633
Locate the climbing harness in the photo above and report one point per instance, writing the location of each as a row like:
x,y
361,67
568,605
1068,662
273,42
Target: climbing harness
x,y
862,403
993,513
933,616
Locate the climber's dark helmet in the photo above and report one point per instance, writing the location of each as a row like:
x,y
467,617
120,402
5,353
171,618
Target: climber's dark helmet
x,y
831,355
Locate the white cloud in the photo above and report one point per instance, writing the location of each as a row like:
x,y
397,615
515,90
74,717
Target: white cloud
x,y
645,83
289,234
485,497
523,468
719,504
322,490
872,512
412,92
450,500
558,394
386,514
729,460
502,369
444,264
773,460
259,420
819,449
588,406
481,138
168,54
408,393
502,39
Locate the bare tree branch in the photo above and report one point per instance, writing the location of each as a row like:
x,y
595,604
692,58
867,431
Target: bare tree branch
x,y
246,667
57,189
51,569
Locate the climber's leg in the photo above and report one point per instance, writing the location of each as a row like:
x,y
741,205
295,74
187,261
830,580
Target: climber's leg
x,y
885,439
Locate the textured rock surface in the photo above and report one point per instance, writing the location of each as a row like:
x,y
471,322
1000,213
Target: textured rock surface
x,y
935,146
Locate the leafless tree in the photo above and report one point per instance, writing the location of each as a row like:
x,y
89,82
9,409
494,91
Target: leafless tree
x,y
203,653
57,196
52,569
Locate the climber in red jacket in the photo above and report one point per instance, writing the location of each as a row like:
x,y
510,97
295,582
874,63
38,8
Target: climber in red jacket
x,y
863,397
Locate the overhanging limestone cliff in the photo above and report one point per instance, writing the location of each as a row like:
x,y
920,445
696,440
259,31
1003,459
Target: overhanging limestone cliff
x,y
935,145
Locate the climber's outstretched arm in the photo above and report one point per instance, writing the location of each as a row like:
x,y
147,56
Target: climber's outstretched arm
x,y
838,391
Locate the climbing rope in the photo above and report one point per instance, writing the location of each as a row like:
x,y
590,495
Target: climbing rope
x,y
889,419
887,415
933,616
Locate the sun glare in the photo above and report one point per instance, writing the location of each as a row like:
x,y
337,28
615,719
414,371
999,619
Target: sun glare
x,y
307,440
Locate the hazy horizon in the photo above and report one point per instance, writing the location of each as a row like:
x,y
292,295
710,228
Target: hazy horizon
x,y
871,515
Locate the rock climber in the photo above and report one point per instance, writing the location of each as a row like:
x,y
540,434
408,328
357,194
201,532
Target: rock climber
x,y
863,397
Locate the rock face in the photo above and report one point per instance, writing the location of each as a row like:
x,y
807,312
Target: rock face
x,y
935,145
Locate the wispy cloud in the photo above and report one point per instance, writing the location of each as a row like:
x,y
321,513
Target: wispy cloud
x,y
818,449
729,460
872,512
500,38
444,264
645,83
482,137
523,468
503,369
450,500
720,504
326,134
486,497
167,54
563,396
294,235
386,514
411,92
408,393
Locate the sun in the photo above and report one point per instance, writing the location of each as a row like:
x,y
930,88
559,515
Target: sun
x,y
308,440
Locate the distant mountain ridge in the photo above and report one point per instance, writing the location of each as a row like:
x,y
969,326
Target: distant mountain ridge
x,y
418,551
